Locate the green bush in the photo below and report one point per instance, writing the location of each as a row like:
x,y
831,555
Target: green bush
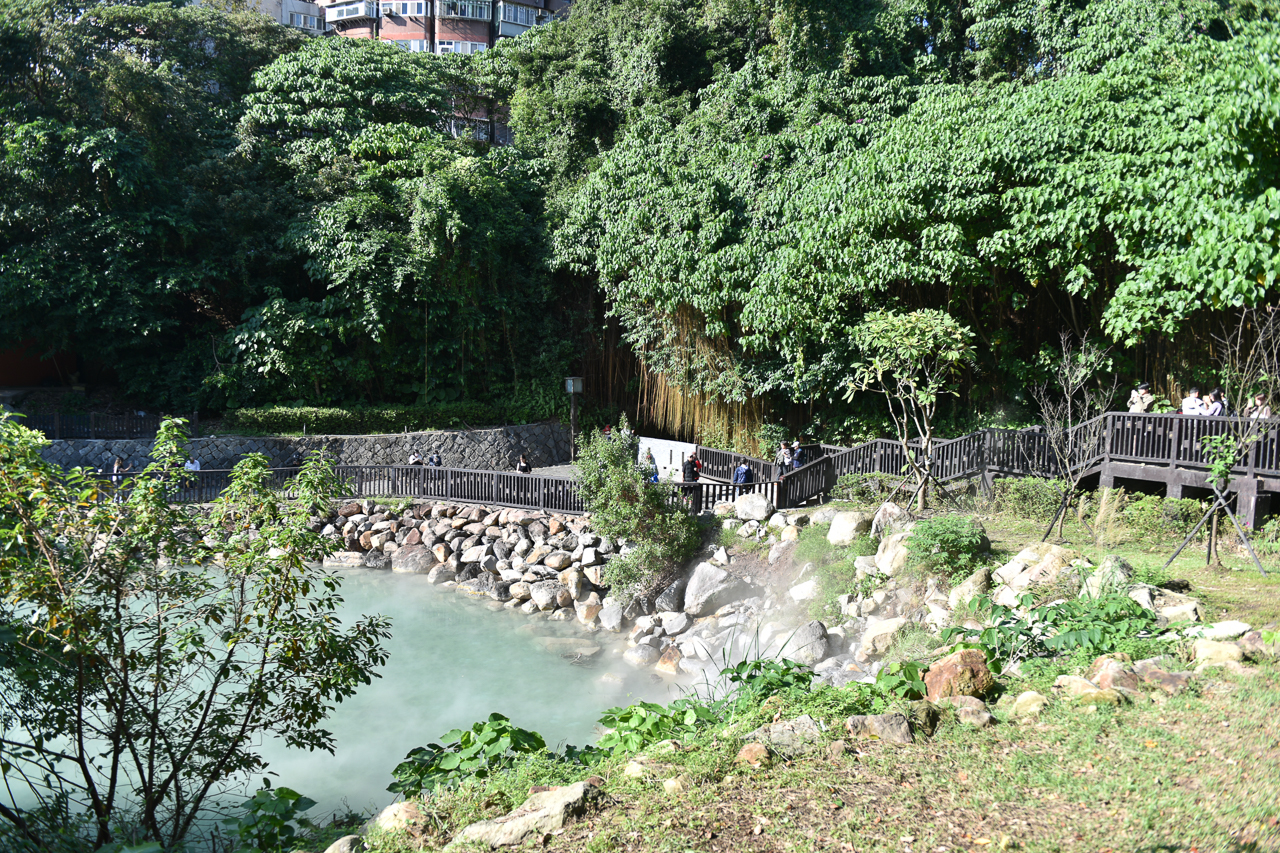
x,y
371,420
624,505
1028,497
948,545
1162,518
470,753
1087,627
863,488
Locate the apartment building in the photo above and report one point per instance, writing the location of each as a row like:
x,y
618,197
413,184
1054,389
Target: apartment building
x,y
306,16
438,26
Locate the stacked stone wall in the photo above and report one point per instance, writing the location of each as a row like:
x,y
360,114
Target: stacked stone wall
x,y
498,449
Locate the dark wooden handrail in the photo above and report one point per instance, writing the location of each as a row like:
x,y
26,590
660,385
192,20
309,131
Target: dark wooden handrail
x,y
1117,437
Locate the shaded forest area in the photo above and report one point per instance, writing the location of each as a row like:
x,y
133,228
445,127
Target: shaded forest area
x,y
703,199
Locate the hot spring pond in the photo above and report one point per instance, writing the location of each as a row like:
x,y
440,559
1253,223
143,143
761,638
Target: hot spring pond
x,y
452,662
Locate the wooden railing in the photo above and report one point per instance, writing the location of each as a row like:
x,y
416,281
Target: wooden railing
x,y
1160,440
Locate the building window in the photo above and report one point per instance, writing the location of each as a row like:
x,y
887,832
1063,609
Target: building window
x,y
398,8
306,22
460,46
474,9
411,45
513,13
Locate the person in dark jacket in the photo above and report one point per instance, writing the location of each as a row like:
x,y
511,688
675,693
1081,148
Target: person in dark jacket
x,y
783,460
798,456
743,476
434,459
690,468
522,467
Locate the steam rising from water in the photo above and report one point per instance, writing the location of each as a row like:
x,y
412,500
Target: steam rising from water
x,y
452,662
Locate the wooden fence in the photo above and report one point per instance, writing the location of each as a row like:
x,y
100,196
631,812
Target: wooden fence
x,y
1152,447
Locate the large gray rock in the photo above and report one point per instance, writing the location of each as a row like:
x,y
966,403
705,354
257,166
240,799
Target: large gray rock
x,y
611,618
890,728
543,813
545,593
346,844
675,622
672,598
642,656
441,574
808,644
1113,576
377,560
344,560
976,584
848,526
710,588
892,554
800,736
753,507
889,519
413,559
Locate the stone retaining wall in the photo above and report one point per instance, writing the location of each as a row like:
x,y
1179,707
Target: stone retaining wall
x,y
482,450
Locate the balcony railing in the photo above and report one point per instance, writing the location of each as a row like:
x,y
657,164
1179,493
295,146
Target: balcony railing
x,y
350,12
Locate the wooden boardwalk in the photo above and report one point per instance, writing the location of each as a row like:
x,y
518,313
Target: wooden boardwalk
x,y
1162,451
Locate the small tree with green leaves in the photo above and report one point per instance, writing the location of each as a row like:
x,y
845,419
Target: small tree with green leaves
x,y
146,651
913,359
625,505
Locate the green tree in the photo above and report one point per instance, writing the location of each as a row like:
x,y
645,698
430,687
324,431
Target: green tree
x,y
913,360
127,227
146,652
625,505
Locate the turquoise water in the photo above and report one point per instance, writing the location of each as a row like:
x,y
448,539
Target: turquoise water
x,y
452,662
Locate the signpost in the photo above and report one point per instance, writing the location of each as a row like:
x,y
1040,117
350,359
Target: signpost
x,y
573,386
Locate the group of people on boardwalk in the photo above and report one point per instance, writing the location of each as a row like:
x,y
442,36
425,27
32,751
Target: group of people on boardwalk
x,y
431,460
1213,404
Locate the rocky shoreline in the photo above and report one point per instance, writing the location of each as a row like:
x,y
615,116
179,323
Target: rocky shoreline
x,y
551,566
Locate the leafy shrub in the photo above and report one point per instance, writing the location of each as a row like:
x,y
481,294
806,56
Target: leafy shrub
x,y
624,505
757,680
1027,497
267,823
643,724
948,544
1095,626
371,420
905,680
476,752
863,488
1162,518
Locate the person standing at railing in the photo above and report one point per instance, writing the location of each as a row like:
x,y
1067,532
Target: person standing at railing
x,y
1259,408
433,460
522,467
1192,404
783,460
742,477
118,470
415,458
798,456
1141,399
193,464
1217,404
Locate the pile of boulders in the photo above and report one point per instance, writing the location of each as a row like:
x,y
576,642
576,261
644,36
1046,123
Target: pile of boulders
x,y
534,561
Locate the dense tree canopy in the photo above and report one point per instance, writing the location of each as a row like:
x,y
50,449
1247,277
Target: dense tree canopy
x,y
730,185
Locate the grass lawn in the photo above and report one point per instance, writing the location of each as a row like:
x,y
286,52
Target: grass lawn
x,y
1198,772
